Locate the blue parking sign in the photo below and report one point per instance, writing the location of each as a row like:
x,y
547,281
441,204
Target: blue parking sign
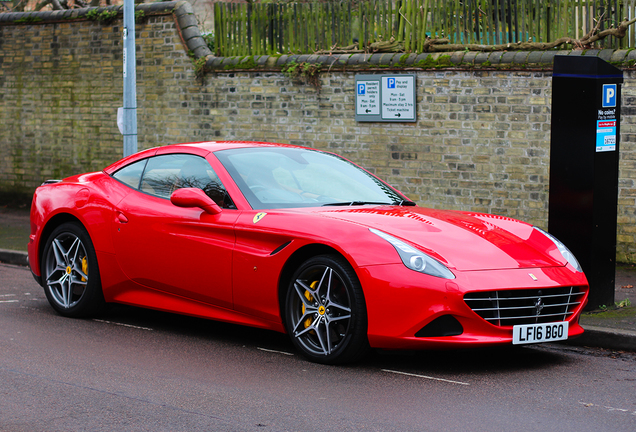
x,y
609,95
362,88
391,83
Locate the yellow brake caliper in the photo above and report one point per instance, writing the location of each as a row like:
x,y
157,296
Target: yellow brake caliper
x,y
310,298
84,268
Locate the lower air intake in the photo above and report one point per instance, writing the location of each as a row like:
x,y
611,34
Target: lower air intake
x,y
446,325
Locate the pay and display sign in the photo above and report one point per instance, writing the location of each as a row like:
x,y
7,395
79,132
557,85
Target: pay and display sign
x,y
385,98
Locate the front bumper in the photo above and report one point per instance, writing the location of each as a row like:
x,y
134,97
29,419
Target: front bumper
x,y
401,303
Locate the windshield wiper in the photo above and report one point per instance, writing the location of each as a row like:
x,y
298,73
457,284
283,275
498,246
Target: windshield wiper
x,y
404,203
355,203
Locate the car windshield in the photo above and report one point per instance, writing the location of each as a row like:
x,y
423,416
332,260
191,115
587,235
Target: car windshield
x,y
279,177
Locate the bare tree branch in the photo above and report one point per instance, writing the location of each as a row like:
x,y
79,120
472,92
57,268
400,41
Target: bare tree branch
x,y
444,45
42,4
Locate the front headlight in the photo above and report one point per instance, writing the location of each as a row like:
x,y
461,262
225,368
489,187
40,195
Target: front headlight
x,y
565,252
416,259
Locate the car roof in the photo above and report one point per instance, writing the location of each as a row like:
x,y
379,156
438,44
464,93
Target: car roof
x,y
200,148
224,145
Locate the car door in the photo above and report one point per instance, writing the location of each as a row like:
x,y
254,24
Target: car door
x,y
183,251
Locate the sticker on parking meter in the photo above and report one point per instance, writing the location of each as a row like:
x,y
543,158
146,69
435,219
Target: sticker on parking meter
x,y
605,135
609,95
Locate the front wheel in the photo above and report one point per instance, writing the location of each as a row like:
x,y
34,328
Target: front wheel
x,y
70,272
326,312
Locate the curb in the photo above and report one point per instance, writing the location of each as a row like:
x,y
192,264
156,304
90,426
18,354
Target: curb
x,y
14,257
608,338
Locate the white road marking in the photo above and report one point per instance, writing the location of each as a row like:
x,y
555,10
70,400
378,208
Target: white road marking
x,y
9,301
424,376
610,409
274,351
7,295
123,325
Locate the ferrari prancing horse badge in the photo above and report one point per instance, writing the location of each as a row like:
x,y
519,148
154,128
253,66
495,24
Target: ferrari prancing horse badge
x,y
258,217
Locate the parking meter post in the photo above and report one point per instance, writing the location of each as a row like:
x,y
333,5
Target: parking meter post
x,y
584,153
130,77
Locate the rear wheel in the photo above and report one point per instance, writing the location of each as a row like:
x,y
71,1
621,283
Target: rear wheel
x,y
325,311
70,272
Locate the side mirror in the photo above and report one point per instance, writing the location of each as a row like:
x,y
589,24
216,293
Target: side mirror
x,y
194,197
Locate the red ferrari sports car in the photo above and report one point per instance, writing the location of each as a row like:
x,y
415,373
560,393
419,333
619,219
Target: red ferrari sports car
x,y
299,241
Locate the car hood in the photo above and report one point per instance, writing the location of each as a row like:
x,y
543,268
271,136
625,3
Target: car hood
x,y
463,241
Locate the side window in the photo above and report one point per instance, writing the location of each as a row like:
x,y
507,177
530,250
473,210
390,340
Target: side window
x,y
166,173
131,174
161,174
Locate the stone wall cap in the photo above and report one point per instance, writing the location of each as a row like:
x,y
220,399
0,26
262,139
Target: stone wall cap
x,y
44,17
522,60
188,21
521,57
606,54
534,57
457,57
470,57
201,51
481,57
190,32
619,56
411,59
496,57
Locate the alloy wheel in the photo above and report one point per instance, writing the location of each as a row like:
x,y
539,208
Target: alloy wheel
x,y
66,270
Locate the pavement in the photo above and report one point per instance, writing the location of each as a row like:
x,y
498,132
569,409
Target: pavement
x,y
612,328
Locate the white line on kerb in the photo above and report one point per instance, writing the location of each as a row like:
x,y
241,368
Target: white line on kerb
x,y
424,376
123,325
274,351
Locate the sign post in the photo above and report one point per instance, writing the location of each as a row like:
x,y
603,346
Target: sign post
x,y
130,83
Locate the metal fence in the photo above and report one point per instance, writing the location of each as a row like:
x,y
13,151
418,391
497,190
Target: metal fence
x,y
304,28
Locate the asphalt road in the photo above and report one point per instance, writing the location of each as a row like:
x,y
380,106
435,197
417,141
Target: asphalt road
x,y
138,370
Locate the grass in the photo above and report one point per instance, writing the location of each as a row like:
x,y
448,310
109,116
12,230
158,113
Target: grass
x,y
627,313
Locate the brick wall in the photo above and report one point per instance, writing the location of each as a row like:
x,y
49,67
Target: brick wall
x,y
481,141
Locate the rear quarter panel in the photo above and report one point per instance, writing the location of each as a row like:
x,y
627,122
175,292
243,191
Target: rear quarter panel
x,y
86,198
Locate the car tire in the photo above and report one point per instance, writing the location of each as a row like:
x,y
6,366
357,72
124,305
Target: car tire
x,y
70,273
325,311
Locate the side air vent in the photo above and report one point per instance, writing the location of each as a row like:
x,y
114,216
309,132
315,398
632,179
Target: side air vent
x,y
280,248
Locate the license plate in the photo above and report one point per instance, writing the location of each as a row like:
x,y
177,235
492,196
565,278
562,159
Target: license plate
x,y
539,333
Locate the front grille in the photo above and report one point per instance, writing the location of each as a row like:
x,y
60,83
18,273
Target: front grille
x,y
529,306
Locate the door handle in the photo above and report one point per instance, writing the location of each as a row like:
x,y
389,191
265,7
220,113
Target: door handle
x,y
121,218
